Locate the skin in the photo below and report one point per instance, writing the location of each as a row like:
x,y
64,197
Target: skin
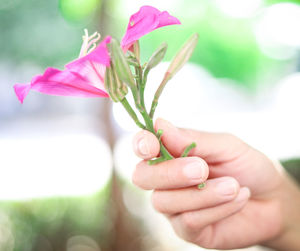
x,y
248,199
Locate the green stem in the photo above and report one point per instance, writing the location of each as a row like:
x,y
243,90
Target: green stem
x,y
149,126
164,152
201,185
188,149
131,112
156,161
140,104
157,94
141,85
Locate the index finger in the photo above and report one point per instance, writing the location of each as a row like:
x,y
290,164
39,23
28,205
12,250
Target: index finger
x,y
171,174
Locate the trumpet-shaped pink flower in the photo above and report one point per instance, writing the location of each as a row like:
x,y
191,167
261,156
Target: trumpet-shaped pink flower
x,y
144,21
83,77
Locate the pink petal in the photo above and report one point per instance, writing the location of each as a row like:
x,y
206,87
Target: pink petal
x,y
61,83
144,21
99,54
21,91
166,19
65,83
83,77
93,72
92,66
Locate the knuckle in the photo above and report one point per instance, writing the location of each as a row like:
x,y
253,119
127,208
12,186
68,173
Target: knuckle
x,y
188,222
157,202
136,177
168,174
206,238
229,137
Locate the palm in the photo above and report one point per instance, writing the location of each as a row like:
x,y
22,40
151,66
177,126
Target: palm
x,y
260,218
255,223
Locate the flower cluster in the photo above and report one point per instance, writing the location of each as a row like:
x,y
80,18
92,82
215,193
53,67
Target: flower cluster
x,y
105,70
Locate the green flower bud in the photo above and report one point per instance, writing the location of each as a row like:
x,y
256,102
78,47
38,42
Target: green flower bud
x,y
120,64
156,57
182,56
136,49
116,89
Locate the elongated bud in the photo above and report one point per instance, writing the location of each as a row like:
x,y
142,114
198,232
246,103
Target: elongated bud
x,y
120,64
182,56
135,48
178,61
116,89
156,57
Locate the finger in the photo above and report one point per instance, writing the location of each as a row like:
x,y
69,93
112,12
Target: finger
x,y
145,145
213,147
189,224
171,174
217,191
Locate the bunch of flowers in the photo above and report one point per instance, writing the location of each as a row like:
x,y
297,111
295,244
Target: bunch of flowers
x,y
109,69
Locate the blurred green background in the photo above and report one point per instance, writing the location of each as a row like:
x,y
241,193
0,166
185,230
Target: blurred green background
x,y
239,42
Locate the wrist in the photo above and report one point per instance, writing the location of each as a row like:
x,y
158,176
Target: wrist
x,y
289,197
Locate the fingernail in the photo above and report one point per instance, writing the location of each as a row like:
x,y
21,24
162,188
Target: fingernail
x,y
227,187
143,147
195,170
243,195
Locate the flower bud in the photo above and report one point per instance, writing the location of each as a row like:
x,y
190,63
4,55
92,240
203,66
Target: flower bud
x,y
182,56
120,63
136,49
156,57
116,89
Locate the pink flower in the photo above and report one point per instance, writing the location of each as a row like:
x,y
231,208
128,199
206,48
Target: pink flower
x,y
83,77
144,21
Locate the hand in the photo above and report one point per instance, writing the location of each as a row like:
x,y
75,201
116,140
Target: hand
x,y
247,199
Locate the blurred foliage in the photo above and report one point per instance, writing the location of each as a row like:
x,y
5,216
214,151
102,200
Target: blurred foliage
x,y
293,168
38,223
78,10
227,46
49,33
282,1
36,31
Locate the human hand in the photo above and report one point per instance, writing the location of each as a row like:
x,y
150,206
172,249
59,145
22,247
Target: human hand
x,y
246,199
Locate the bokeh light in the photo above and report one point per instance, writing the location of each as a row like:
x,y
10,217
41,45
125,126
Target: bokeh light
x,y
277,30
78,10
239,9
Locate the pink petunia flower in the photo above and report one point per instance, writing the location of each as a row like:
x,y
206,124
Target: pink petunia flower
x,y
84,77
144,21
